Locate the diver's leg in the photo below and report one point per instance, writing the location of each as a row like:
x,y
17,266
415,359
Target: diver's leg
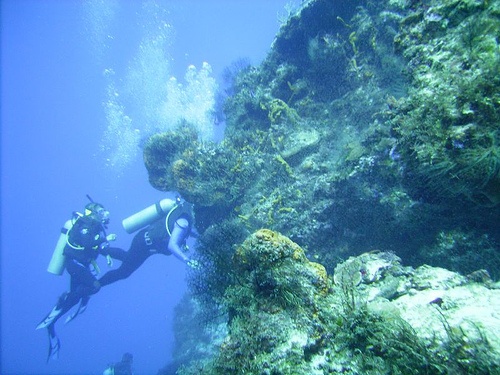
x,y
56,312
134,258
83,282
83,285
79,287
116,253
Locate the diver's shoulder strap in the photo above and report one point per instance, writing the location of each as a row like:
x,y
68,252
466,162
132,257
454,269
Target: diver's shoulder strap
x,y
182,208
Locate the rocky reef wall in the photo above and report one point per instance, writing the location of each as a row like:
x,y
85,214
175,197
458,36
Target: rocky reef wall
x,y
379,127
285,315
372,125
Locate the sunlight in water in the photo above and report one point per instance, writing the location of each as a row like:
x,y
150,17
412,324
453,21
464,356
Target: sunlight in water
x,y
146,99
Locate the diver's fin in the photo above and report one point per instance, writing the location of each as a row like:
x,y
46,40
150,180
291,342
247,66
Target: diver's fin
x,y
49,318
54,344
81,309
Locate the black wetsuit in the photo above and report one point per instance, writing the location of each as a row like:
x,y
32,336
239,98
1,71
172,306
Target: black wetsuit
x,y
86,241
151,240
121,368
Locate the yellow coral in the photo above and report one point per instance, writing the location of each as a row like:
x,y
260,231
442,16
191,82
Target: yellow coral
x,y
322,281
277,109
283,162
183,174
267,246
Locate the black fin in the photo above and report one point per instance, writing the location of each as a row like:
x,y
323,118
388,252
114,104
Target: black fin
x,y
54,344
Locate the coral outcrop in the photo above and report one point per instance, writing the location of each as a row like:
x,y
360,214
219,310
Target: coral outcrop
x,y
379,126
286,316
370,125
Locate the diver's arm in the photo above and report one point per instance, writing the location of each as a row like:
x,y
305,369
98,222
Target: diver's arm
x,y
177,239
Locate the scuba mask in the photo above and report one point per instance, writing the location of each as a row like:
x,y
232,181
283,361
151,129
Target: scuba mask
x,y
98,212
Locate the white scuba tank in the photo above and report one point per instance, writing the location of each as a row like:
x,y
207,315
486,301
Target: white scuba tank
x,y
56,265
148,215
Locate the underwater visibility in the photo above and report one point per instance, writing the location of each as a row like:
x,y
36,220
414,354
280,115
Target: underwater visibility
x,y
344,194
349,219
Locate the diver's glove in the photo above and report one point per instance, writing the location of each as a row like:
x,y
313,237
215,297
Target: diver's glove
x,y
194,264
111,237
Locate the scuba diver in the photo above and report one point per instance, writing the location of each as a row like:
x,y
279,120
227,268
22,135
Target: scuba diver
x,y
166,226
124,367
82,239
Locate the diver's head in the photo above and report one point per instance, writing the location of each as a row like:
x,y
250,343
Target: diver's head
x,y
127,358
98,212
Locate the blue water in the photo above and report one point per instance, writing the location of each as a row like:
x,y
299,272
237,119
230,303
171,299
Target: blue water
x,y
83,82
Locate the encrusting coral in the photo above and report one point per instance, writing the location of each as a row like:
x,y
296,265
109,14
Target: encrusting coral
x,y
285,316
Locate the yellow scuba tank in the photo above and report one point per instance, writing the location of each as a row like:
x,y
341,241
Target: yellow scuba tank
x,y
56,265
148,215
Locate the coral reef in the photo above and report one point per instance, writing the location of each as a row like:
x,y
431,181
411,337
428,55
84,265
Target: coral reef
x,y
161,150
448,124
371,125
394,156
285,316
